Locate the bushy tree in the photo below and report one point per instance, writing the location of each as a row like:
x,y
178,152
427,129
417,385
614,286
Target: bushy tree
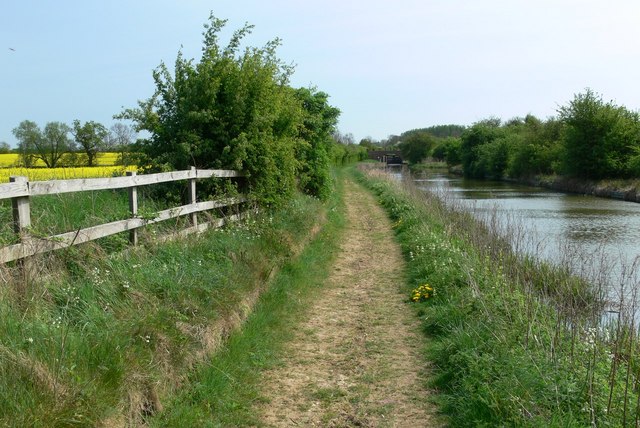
x,y
318,124
55,143
369,143
345,153
438,131
91,137
537,148
453,151
232,109
447,150
599,137
49,145
472,139
416,146
28,134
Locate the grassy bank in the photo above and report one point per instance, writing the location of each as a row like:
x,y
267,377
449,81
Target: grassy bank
x,y
221,391
514,342
107,337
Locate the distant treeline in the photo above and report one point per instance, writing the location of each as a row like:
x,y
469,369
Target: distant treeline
x,y
589,139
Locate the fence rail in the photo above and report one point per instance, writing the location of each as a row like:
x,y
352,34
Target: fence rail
x,y
19,190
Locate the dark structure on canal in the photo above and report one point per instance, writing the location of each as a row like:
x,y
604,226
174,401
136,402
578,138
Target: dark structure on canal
x,y
390,157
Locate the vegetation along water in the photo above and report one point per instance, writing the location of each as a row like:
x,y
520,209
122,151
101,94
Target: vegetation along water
x,y
597,238
516,341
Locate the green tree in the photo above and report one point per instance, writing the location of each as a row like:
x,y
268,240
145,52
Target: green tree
x,y
232,109
318,125
493,157
472,139
55,143
438,131
91,137
447,150
416,146
535,149
599,137
4,147
369,143
29,135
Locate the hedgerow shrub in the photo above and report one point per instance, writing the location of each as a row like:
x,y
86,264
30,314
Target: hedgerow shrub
x,y
234,109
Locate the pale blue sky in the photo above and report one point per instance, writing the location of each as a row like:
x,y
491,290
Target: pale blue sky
x,y
390,66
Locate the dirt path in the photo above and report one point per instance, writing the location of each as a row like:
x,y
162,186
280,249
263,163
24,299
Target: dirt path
x,y
355,360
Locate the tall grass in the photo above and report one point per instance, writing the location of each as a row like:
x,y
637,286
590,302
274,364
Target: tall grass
x,y
105,337
516,342
222,391
53,214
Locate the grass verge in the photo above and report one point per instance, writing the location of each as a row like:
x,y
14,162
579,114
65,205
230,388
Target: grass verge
x,y
514,342
221,391
105,338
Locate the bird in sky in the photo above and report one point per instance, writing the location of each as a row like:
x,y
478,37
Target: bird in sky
x,y
12,49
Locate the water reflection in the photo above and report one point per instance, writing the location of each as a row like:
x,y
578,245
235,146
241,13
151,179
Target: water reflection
x,y
554,221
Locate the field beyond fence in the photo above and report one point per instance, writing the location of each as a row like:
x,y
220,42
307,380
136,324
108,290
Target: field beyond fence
x,y
106,165
20,190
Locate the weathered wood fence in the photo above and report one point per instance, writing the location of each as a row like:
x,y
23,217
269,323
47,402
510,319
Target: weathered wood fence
x,y
19,190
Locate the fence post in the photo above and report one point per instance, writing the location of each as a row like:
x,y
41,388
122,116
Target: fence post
x,y
192,196
133,208
21,209
21,222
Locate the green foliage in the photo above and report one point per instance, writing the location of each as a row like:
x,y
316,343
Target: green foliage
x,y
91,137
50,145
28,135
437,131
319,122
591,139
369,144
493,158
111,334
452,151
209,398
439,152
343,154
4,147
234,109
519,148
416,146
510,343
599,138
475,160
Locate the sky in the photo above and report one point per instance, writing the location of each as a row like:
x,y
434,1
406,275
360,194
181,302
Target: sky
x,y
389,66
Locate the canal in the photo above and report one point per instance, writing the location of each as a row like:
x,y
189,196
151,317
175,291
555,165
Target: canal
x,y
595,237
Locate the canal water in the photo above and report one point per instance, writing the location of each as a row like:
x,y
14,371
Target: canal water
x,y
591,235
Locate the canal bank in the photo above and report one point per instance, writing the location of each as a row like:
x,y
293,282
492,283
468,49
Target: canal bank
x,y
515,341
622,189
596,238
626,190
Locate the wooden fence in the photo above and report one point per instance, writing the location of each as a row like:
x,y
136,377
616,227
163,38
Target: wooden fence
x,y
19,190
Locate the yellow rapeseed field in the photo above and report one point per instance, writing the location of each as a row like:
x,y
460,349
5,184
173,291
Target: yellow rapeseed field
x,y
105,168
11,159
8,160
43,174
